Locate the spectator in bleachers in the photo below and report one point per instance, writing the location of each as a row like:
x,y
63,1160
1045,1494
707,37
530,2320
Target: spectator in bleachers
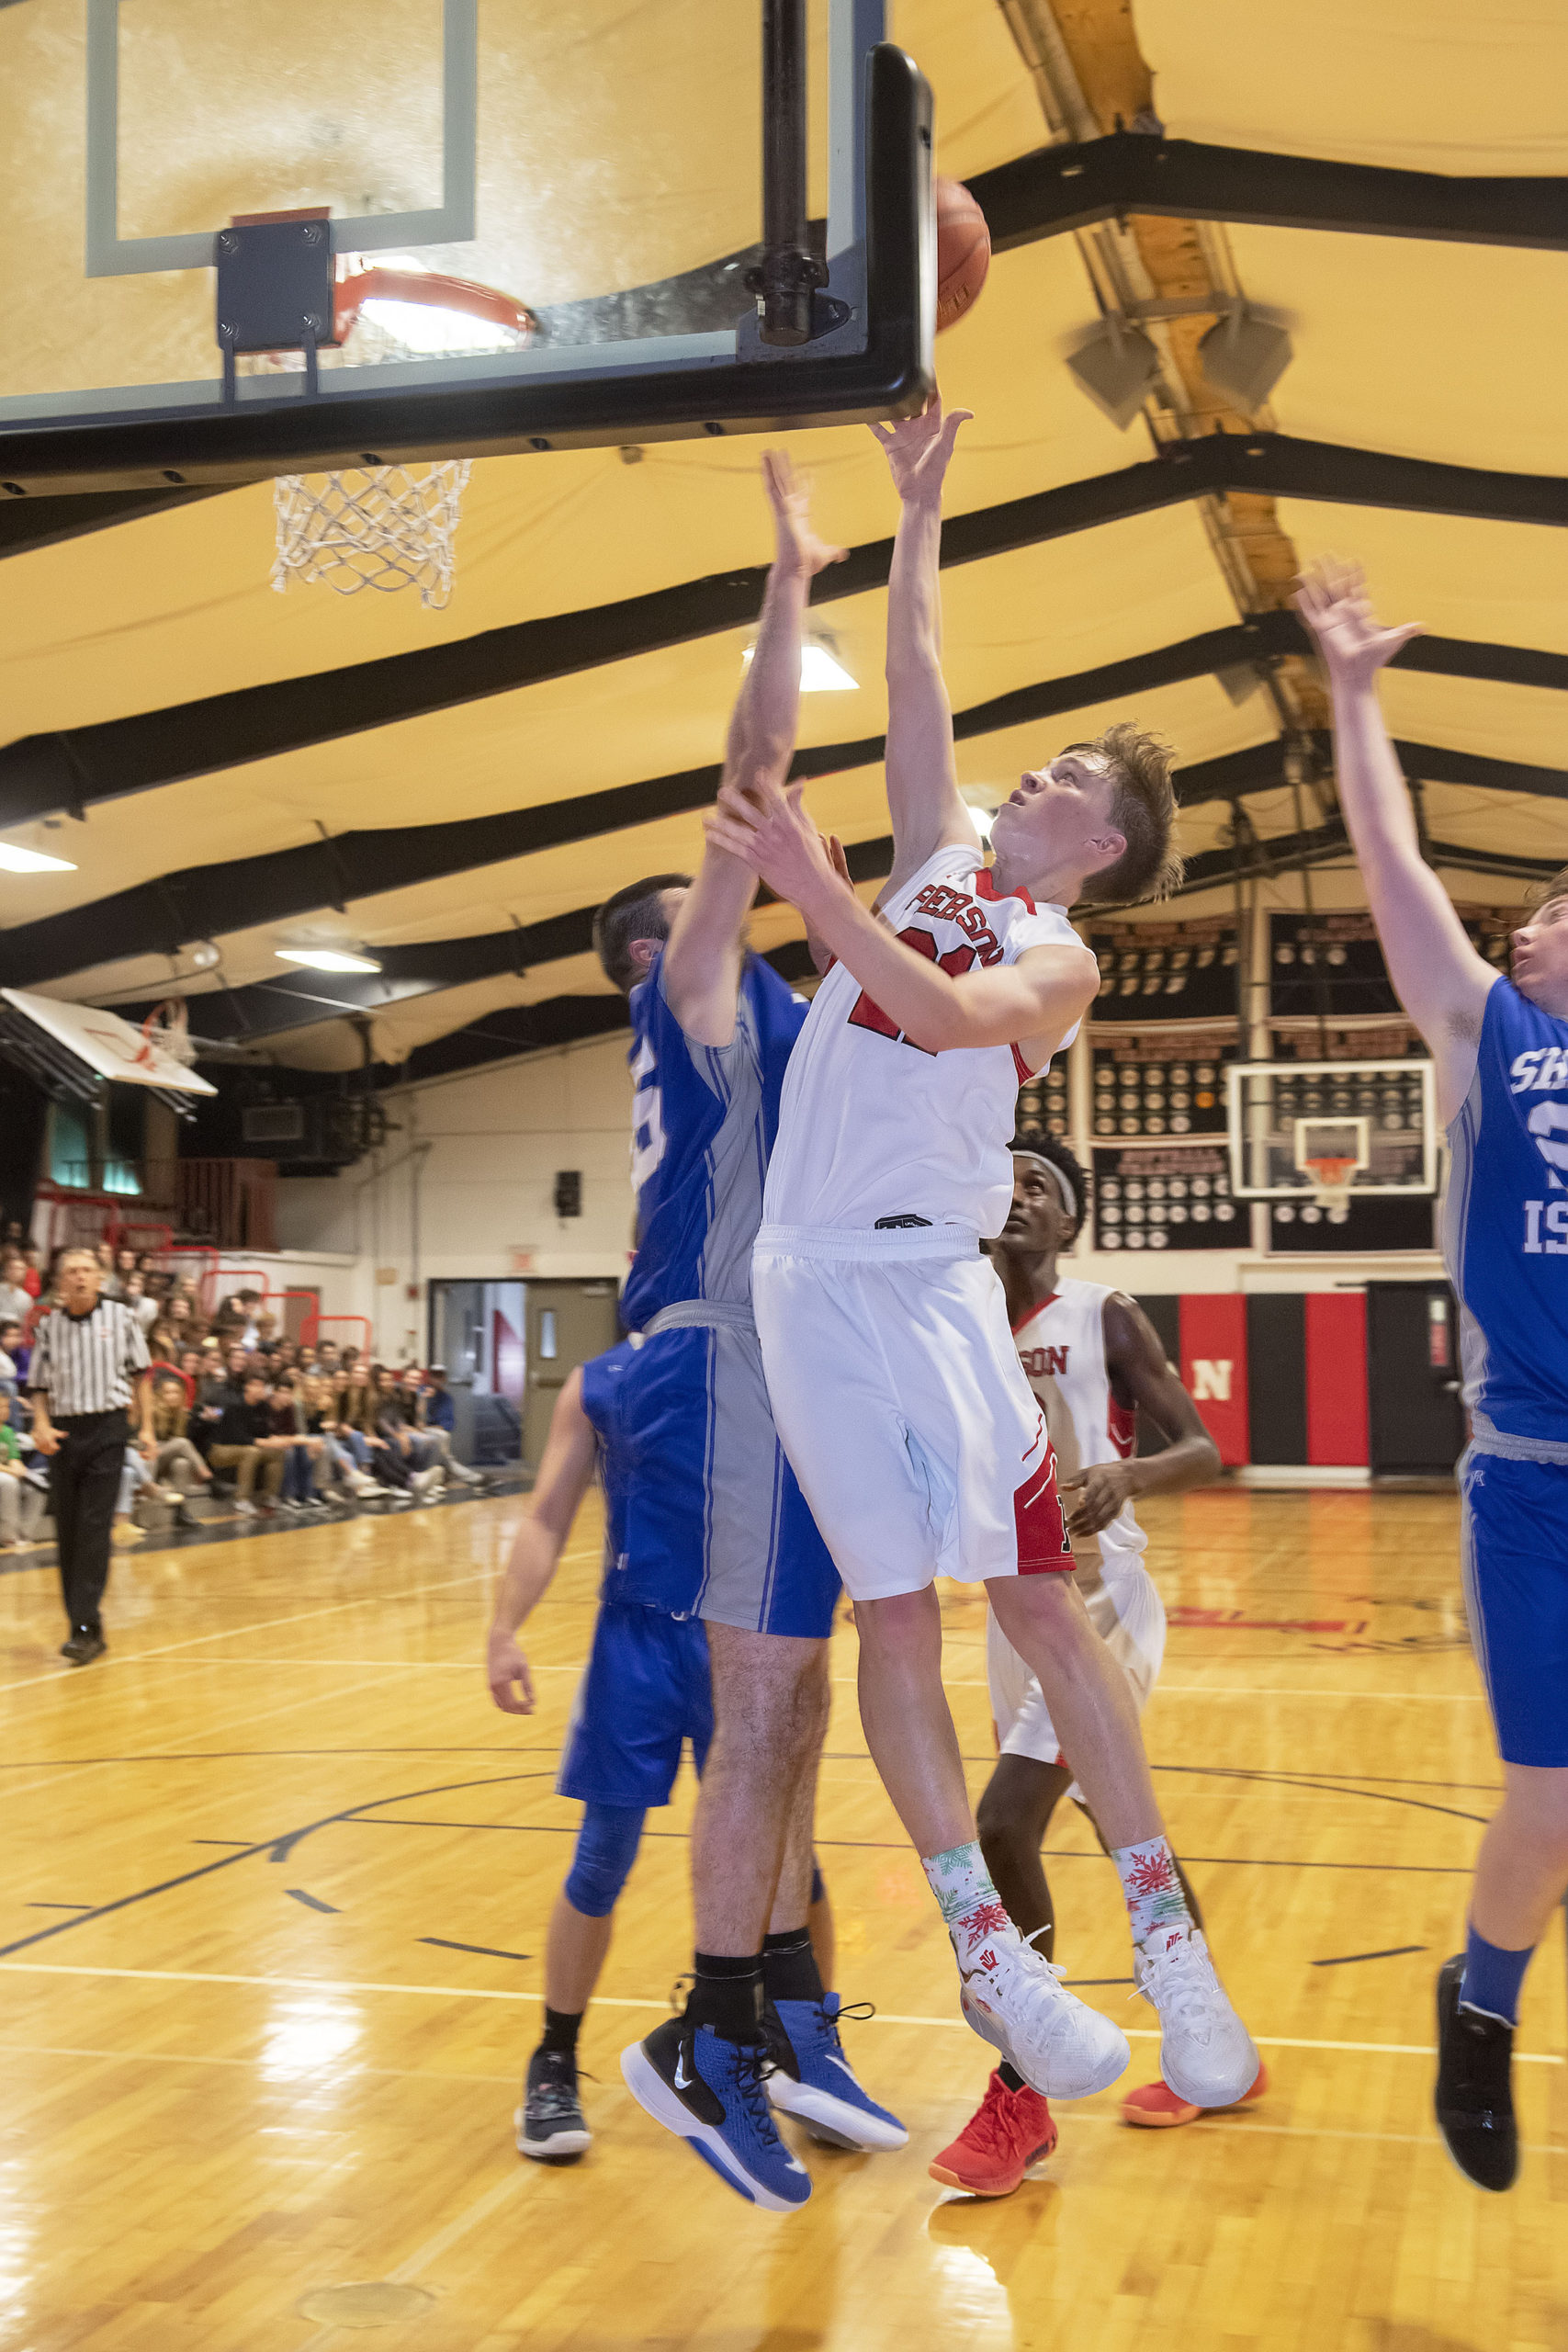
x,y
247,1444
16,1300
126,1263
144,1309
177,1463
347,1453
11,1371
327,1359
425,1401
23,1497
298,1425
398,1435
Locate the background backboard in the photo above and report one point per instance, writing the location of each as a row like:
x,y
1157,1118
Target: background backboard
x,y
1372,1126
602,167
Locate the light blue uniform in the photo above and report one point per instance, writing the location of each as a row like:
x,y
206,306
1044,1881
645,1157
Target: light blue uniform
x,y
715,1525
1505,1244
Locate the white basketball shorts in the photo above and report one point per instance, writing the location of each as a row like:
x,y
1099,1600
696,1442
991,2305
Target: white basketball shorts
x,y
900,1401
1128,1614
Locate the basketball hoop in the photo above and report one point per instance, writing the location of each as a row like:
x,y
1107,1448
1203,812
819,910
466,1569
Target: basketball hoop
x,y
1330,1181
381,527
390,527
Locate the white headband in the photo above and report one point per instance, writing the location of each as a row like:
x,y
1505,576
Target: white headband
x,y
1063,1184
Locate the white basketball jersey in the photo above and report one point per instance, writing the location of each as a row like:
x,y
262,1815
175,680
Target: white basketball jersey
x,y
873,1127
1062,1349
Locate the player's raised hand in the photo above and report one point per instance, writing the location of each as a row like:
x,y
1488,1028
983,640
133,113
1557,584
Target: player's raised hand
x,y
919,448
1332,600
770,830
800,552
506,1671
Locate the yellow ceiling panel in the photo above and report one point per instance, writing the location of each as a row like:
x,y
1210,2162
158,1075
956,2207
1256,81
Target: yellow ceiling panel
x,y
1434,85
1503,583
1447,352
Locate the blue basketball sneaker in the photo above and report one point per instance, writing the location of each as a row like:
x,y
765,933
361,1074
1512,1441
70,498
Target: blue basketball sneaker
x,y
814,2081
709,2092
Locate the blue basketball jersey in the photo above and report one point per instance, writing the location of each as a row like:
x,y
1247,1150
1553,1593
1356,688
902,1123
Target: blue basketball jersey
x,y
1505,1230
704,1123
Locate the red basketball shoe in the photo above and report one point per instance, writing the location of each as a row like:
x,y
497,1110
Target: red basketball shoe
x,y
1158,2108
1008,2132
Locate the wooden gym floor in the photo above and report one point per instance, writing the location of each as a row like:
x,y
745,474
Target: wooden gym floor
x,y
275,1882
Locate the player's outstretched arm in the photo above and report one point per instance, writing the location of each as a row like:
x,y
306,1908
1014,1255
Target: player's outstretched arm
x,y
1141,1376
1032,1003
922,784
704,958
1438,975
563,1480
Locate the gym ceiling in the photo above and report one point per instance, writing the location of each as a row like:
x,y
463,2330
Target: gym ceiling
x,y
455,789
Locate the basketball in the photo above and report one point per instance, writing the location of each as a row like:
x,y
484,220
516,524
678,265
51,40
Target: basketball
x,y
963,251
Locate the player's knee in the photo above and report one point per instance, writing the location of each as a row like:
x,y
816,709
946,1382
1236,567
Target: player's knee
x,y
607,1848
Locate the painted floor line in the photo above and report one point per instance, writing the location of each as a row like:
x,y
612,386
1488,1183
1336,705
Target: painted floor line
x,y
603,2001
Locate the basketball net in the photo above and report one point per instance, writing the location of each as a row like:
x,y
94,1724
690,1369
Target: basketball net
x,y
381,527
1331,1181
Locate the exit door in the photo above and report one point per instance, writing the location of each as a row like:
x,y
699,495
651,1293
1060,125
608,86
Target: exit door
x,y
1415,1419
567,1323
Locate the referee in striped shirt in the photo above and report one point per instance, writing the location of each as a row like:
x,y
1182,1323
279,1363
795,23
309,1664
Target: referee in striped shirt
x,y
89,1365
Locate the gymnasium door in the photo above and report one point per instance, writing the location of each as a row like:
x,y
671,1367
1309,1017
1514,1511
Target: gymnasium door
x,y
1417,1419
567,1323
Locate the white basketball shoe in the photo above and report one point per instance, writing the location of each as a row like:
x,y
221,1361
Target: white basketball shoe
x,y
1206,2053
1016,2002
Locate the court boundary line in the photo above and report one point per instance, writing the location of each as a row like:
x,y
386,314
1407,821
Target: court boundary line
x,y
605,2001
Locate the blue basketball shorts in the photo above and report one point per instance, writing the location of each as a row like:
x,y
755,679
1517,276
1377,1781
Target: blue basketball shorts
x,y
1514,1560
646,1691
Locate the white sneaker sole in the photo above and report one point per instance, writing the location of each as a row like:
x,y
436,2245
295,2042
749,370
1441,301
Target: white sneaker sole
x,y
558,2145
1052,2082
1212,2090
654,2096
837,2120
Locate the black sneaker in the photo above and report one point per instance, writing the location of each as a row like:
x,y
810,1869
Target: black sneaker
x,y
1475,2101
85,1644
550,2124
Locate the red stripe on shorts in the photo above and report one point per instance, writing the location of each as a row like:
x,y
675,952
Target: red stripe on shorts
x,y
1043,1546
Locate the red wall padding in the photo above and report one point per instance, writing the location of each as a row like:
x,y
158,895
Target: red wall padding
x,y
1336,1377
1213,1369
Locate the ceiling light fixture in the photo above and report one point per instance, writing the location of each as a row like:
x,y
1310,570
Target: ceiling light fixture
x,y
326,959
15,860
821,671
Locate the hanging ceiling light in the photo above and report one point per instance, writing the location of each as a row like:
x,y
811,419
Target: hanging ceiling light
x,y
821,669
327,959
16,860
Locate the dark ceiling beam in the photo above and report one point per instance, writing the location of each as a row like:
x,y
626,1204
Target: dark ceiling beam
x,y
75,769
158,917
27,524
1060,189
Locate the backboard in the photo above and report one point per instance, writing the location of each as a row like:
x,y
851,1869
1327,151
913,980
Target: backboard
x,y
231,230
1326,1133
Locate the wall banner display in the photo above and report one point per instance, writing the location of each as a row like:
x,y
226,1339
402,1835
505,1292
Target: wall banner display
x,y
1165,971
1178,1197
1162,1082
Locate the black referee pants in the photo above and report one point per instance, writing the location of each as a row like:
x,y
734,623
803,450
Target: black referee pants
x,y
84,1486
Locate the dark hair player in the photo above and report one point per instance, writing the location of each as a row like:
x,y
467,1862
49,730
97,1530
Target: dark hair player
x,y
1094,1361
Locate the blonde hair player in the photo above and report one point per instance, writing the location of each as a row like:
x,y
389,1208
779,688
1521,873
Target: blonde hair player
x,y
1501,1050
895,1386
1096,1363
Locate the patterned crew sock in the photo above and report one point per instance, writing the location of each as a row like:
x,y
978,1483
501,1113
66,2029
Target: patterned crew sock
x,y
1491,1979
1152,1889
970,1903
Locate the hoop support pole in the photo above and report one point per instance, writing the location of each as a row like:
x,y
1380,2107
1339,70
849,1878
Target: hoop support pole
x,y
786,283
